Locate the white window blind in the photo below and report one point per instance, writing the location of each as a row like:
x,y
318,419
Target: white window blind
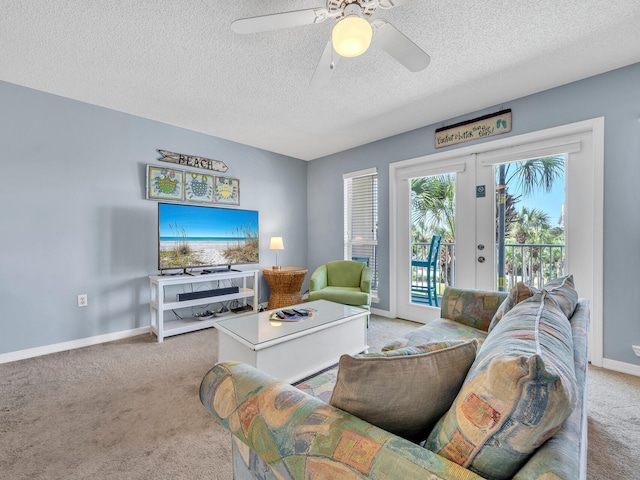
x,y
361,220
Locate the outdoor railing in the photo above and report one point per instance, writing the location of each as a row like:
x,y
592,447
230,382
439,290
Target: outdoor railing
x,y
533,264
445,268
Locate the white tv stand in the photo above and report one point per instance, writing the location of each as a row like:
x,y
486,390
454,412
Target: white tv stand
x,y
162,299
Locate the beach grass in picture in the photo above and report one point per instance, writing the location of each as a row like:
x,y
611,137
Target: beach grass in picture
x,y
164,183
246,248
178,251
200,236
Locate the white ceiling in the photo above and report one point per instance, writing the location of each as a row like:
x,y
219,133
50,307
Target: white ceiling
x,y
178,62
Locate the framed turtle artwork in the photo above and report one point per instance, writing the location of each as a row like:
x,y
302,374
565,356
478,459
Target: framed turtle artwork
x,y
164,183
198,187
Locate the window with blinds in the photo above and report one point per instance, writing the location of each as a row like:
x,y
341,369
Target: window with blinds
x,y
361,220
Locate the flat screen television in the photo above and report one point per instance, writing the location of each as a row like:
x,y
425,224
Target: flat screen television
x,y
194,236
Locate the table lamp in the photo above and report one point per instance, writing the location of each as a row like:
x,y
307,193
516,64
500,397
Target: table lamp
x,y
276,244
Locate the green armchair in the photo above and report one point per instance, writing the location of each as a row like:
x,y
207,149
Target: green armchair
x,y
342,281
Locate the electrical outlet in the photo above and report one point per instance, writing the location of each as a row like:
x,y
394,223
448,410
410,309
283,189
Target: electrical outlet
x,y
636,349
83,301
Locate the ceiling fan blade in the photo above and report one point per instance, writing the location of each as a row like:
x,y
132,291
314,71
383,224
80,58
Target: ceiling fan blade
x,y
396,44
279,20
326,66
392,3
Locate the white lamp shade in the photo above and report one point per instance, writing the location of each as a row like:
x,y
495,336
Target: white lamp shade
x,y
276,243
351,36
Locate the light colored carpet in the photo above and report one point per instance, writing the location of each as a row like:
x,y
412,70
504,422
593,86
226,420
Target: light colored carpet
x,y
613,425
130,410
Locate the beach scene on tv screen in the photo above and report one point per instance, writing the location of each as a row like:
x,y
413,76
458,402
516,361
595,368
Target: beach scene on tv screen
x,y
192,236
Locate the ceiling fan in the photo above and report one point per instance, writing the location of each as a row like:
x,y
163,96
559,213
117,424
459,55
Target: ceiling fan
x,y
350,37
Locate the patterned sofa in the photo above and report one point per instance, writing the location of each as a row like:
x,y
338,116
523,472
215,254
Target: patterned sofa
x,y
284,432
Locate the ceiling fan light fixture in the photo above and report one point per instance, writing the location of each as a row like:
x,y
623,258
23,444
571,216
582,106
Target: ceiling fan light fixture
x,y
351,36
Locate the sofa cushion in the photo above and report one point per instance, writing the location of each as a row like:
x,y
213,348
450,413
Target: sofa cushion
x,y
474,308
403,391
517,294
518,393
437,330
563,291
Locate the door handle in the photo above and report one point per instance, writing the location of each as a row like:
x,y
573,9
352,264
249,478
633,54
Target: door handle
x,y
481,259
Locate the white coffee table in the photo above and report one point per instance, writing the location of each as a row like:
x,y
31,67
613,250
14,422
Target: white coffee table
x,y
291,351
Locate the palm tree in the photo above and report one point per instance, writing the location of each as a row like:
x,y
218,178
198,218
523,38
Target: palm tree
x,y
510,213
433,212
531,224
433,206
533,174
529,176
433,200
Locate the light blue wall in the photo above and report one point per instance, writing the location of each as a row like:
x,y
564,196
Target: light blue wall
x,y
73,217
614,96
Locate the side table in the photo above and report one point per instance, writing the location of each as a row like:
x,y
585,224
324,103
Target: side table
x,y
285,285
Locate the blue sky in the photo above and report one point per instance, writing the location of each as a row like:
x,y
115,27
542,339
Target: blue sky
x,y
205,221
549,202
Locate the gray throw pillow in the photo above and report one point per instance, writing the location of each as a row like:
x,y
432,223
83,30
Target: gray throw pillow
x,y
404,391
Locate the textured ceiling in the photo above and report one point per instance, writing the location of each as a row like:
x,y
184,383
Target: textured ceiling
x,y
178,62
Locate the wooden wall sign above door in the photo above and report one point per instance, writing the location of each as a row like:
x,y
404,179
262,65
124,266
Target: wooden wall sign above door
x,y
474,129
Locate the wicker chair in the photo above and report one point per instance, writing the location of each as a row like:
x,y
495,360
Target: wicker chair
x,y
342,281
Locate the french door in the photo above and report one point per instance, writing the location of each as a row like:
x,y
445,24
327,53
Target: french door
x,y
474,170
460,170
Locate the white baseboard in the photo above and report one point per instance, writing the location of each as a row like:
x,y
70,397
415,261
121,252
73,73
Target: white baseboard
x,y
87,342
61,347
382,313
621,367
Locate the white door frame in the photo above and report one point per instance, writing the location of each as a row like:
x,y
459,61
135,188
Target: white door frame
x,y
585,139
463,166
